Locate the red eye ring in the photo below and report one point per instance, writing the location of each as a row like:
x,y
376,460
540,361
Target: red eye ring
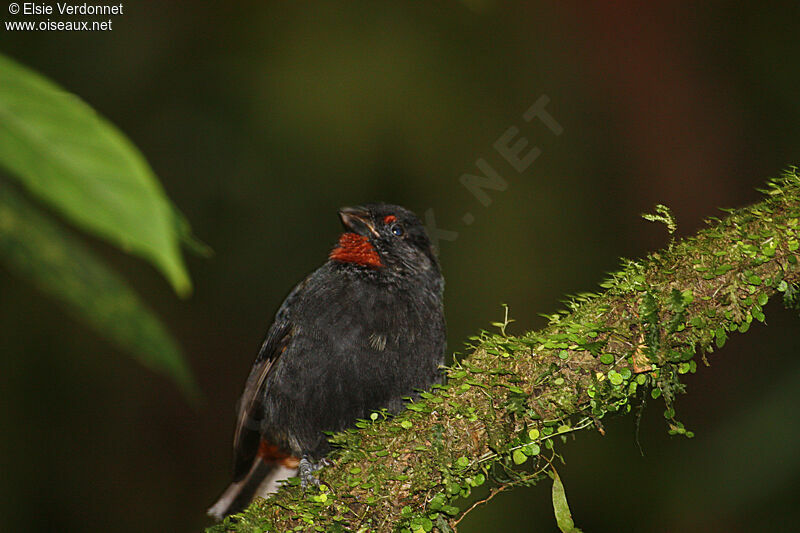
x,y
388,219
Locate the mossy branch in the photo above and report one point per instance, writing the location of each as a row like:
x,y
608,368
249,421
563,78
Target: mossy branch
x,y
506,402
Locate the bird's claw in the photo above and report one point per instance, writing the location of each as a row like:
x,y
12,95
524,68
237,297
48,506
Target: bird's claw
x,y
306,470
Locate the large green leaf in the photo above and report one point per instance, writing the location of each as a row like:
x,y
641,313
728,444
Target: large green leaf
x,y
37,248
84,167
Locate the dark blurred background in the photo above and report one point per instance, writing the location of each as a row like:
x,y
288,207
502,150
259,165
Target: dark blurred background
x,y
261,119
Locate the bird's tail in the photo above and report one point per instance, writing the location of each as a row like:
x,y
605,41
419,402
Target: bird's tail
x,y
262,480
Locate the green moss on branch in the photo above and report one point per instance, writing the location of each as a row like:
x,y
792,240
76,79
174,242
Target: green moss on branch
x,y
506,403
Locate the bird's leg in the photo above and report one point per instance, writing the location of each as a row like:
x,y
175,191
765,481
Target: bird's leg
x,y
307,468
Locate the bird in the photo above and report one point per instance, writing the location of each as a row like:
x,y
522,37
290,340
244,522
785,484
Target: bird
x,y
365,331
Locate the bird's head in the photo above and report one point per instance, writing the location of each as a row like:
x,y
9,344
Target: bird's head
x,y
385,238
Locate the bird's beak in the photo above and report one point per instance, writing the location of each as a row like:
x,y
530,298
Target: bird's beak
x,y
357,220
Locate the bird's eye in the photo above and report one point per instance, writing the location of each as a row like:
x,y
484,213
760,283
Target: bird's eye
x,y
397,230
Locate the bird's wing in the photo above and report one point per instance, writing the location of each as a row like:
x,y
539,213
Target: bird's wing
x,y
247,436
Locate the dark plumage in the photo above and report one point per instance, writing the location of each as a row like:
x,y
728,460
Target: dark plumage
x,y
360,333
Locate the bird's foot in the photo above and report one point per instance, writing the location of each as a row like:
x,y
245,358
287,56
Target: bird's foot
x,y
307,468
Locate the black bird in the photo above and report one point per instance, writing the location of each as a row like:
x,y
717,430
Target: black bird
x,y
360,333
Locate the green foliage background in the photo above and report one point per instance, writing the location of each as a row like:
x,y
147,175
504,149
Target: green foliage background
x,y
261,119
66,156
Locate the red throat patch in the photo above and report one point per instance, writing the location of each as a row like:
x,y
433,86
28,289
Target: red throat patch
x,y
354,248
